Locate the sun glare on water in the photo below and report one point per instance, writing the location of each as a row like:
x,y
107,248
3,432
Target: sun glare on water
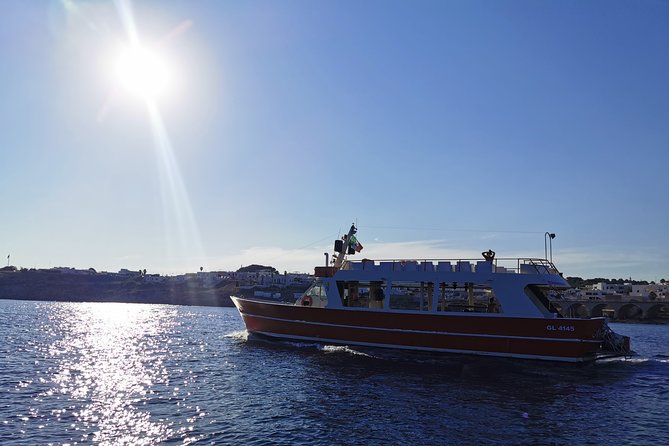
x,y
143,72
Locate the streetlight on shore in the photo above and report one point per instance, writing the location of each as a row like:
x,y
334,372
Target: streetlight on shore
x,y
548,236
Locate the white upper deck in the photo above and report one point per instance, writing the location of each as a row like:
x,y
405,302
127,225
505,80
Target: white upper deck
x,y
456,266
517,283
507,278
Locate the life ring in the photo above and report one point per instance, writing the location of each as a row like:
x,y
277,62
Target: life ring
x,y
306,301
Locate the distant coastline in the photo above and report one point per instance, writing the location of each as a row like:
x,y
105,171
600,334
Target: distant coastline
x,y
202,289
56,286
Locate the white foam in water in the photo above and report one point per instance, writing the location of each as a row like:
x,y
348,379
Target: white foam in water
x,y
300,344
325,348
625,359
241,335
342,349
633,359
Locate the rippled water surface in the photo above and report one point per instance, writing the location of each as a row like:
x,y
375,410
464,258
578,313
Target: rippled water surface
x,y
107,373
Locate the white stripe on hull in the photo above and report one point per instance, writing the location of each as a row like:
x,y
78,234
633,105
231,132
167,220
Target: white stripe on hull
x,y
442,350
445,333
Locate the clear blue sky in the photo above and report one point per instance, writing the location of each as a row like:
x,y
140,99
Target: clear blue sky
x,y
444,128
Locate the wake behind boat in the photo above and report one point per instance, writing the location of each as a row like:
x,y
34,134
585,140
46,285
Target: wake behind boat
x,y
496,307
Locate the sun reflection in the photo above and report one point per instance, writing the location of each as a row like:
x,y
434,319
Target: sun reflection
x,y
111,361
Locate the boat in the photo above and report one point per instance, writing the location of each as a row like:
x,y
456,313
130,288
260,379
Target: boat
x,y
487,306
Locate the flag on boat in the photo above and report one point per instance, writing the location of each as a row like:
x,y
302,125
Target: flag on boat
x,y
355,244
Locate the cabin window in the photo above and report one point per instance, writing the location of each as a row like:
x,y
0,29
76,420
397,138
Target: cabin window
x,y
318,294
411,295
466,297
362,294
540,296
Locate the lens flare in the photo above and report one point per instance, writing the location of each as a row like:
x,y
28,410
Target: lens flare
x,y
143,70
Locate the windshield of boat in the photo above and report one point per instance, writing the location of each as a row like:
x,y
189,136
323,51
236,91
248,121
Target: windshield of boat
x,y
318,294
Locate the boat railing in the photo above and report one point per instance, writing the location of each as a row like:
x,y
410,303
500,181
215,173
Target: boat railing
x,y
498,265
538,266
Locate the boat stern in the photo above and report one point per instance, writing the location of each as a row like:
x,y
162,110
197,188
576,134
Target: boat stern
x,y
615,344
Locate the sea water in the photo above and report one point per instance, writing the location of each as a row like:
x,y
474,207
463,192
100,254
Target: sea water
x,y
132,374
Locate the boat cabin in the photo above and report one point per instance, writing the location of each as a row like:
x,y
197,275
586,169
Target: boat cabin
x,y
439,286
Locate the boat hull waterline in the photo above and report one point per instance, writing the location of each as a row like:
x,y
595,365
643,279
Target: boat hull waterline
x,y
568,340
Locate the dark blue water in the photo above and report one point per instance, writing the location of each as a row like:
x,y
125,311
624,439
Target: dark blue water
x,y
77,373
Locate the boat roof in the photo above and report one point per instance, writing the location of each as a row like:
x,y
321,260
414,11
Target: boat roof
x,y
445,267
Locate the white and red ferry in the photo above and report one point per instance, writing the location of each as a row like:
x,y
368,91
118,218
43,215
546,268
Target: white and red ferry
x,y
491,306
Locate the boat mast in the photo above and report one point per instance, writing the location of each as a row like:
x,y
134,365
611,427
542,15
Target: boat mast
x,y
341,256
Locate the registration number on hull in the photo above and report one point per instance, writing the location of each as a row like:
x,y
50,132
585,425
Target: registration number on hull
x,y
560,328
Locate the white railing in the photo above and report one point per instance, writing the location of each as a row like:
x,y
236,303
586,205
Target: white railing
x,y
500,265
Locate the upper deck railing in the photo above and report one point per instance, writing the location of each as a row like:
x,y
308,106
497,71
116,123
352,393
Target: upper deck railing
x,y
498,265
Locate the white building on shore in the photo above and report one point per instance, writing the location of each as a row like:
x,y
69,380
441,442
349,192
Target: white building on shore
x,y
651,291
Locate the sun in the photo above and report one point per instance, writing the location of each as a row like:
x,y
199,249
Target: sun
x,y
143,72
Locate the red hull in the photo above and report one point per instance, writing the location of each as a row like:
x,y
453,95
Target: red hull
x,y
572,340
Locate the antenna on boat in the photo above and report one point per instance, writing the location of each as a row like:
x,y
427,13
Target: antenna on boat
x,y
550,236
342,247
